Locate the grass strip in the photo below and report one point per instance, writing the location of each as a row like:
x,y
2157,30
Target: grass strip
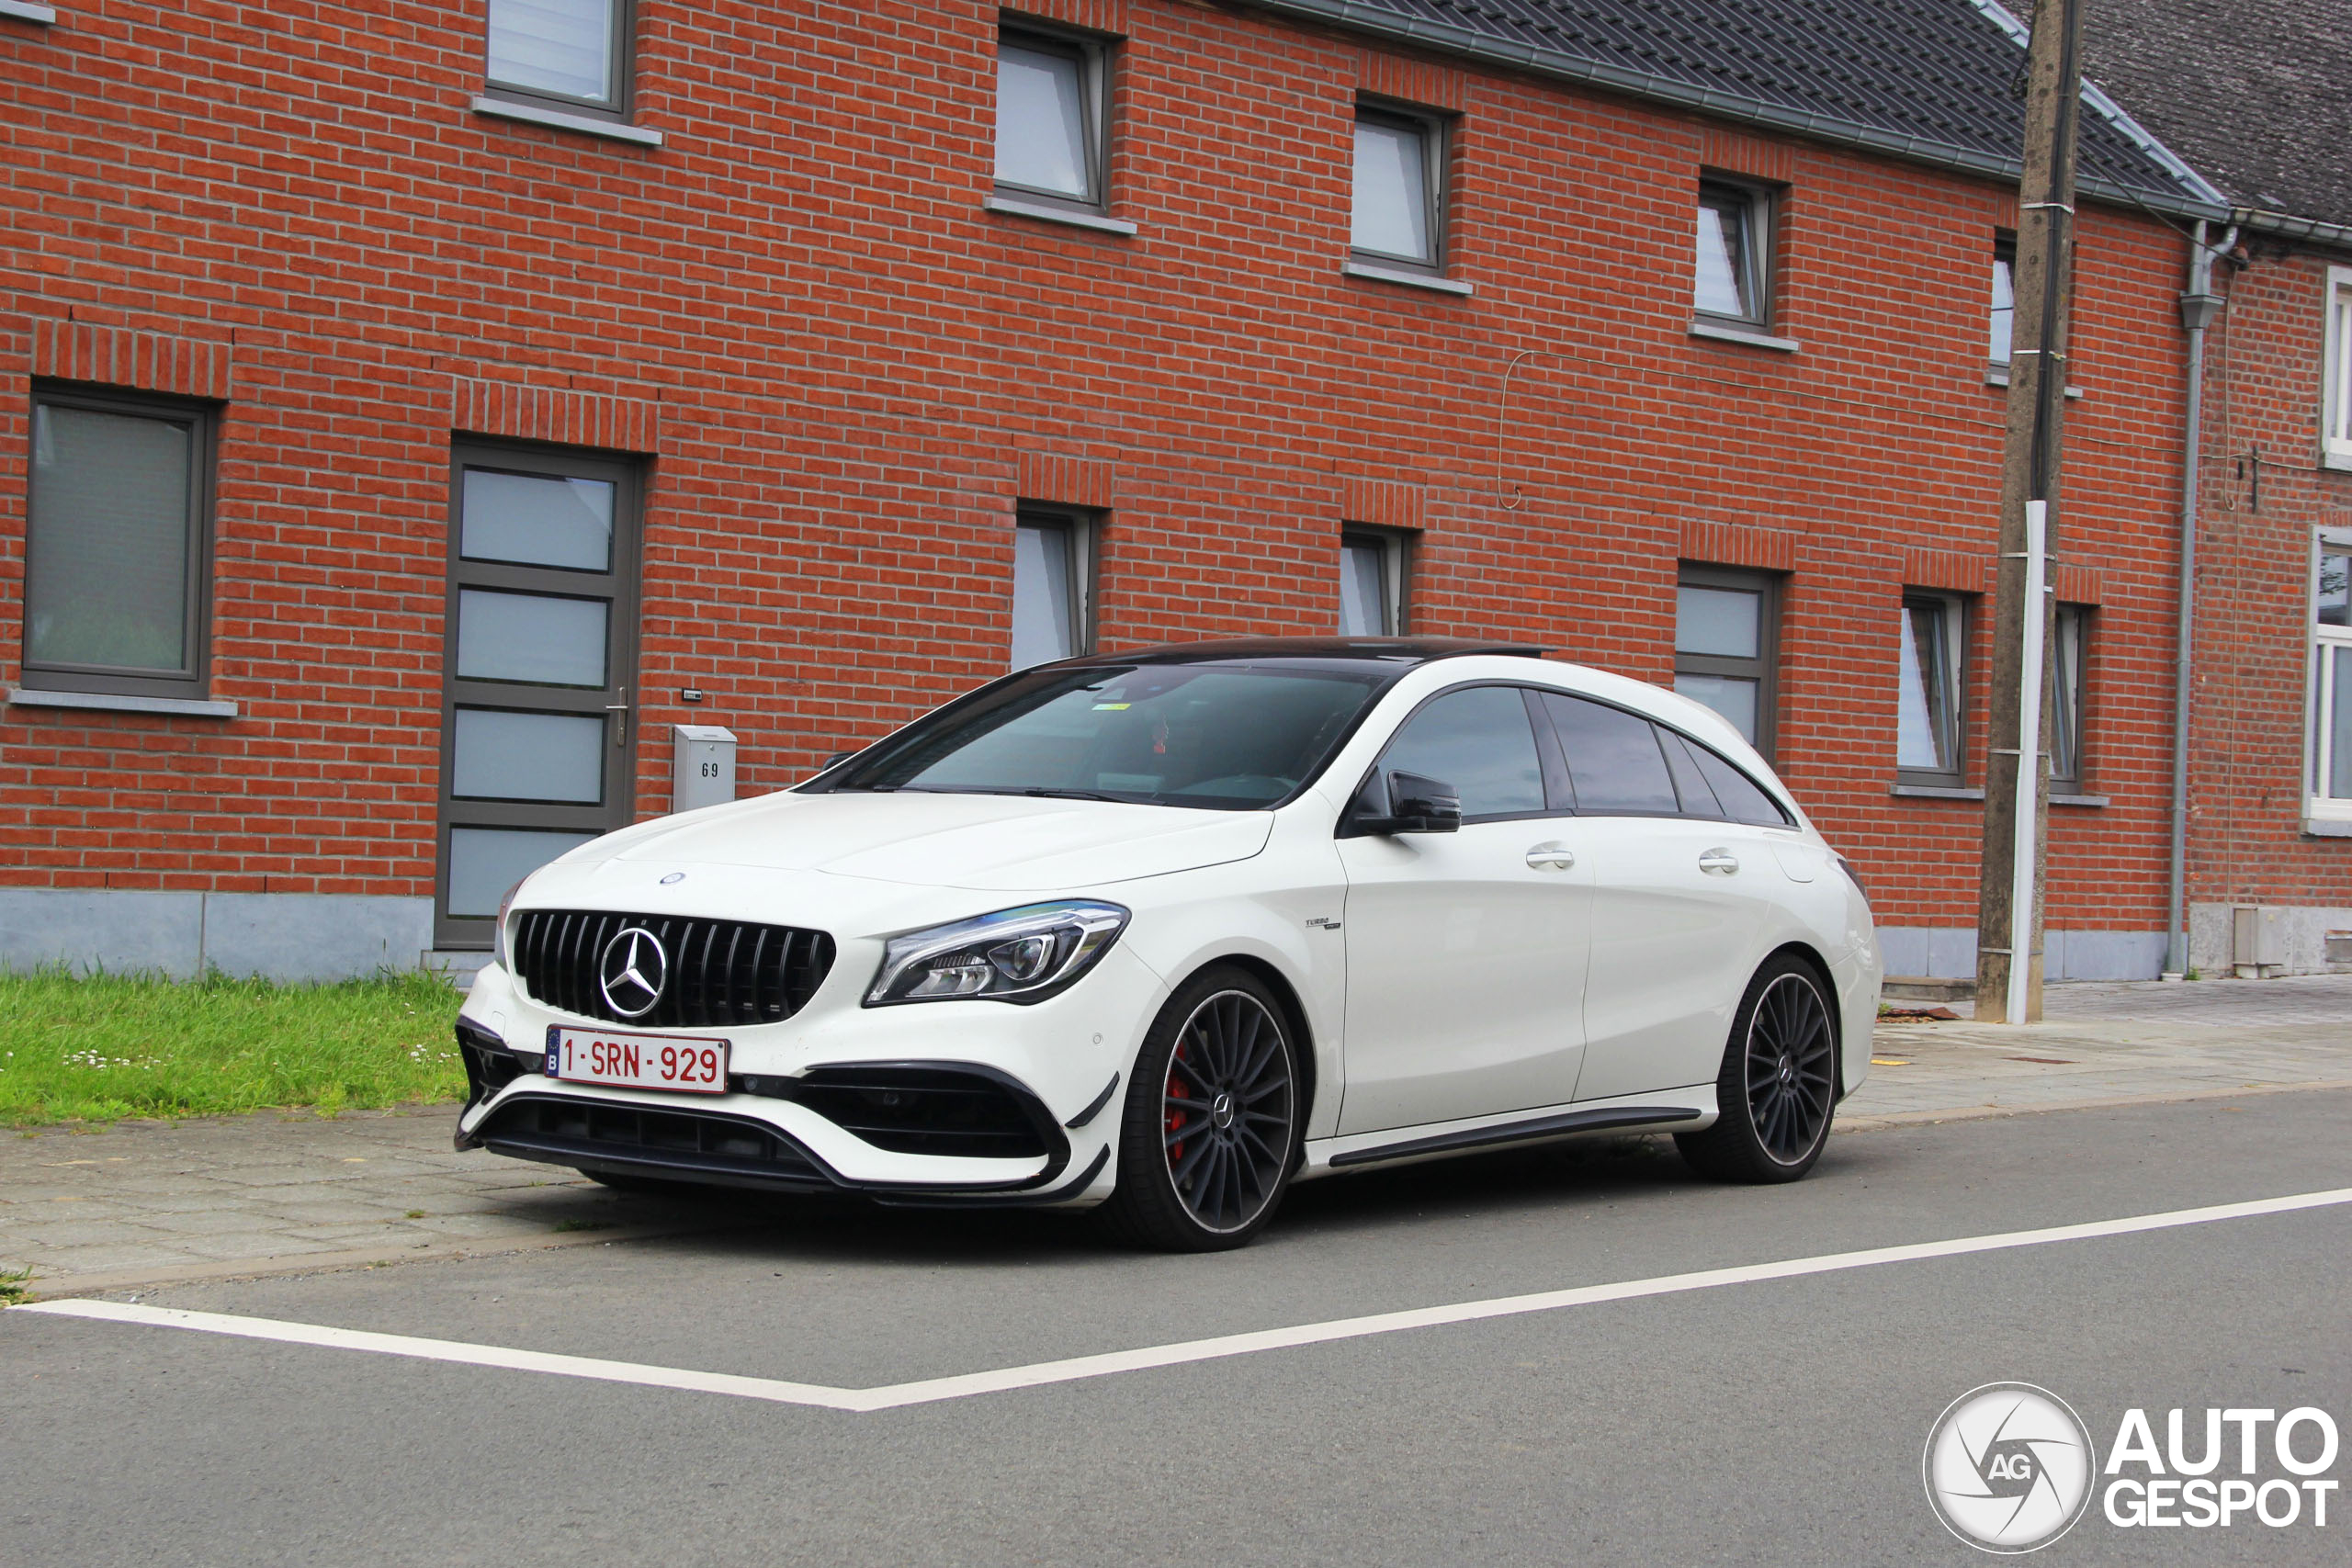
x,y
107,1046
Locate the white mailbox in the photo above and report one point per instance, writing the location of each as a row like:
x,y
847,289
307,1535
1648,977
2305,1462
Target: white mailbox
x,y
702,766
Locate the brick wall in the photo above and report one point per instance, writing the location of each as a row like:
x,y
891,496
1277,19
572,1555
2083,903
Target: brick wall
x,y
2264,492
843,372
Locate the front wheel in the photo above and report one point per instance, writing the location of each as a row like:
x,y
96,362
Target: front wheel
x,y
1210,1123
1778,1088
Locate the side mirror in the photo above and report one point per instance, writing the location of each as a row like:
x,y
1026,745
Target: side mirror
x,y
836,759
1419,804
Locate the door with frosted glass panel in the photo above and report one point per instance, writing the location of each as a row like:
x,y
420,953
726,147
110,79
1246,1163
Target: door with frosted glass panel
x,y
539,667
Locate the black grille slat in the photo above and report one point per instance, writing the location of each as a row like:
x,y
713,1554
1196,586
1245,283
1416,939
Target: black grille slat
x,y
721,971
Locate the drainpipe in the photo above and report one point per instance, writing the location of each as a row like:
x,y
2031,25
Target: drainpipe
x,y
2198,306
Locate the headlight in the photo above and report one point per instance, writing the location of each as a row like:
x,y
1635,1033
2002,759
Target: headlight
x,y
1014,955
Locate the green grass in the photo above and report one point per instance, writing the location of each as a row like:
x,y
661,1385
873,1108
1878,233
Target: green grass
x,y
12,1286
111,1046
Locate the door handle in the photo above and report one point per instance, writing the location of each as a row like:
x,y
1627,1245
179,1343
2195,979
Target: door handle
x,y
1720,862
620,731
1551,857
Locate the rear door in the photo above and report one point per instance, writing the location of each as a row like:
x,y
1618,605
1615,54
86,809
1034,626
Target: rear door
x,y
1466,951
1678,911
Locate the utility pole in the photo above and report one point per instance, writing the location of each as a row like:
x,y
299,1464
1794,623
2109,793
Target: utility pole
x,y
2017,777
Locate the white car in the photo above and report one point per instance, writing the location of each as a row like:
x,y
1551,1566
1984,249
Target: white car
x,y
1165,931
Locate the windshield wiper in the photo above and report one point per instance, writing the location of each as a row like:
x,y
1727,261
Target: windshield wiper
x,y
1035,791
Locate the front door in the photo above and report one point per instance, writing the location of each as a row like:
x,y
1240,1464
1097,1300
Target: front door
x,y
538,666
1466,951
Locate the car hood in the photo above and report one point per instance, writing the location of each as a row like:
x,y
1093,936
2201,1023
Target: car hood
x,y
991,842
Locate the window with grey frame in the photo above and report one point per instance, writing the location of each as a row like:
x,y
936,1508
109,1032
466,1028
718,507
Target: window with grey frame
x,y
1053,117
1733,277
568,54
118,544
1053,584
1726,646
538,667
1931,687
2069,691
1397,216
2001,313
1372,585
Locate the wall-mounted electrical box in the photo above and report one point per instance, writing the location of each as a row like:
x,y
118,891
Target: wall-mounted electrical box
x,y
702,766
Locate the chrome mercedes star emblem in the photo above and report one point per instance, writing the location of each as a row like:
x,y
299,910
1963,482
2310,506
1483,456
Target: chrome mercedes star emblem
x,y
632,972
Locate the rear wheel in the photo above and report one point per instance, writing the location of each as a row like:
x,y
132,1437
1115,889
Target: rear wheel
x,y
1210,1128
1778,1088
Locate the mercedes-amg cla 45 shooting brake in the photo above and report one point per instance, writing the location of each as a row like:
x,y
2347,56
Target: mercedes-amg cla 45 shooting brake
x,y
1164,931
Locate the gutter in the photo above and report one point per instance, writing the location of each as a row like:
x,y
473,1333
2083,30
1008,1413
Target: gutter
x,y
2288,227
1558,66
2198,306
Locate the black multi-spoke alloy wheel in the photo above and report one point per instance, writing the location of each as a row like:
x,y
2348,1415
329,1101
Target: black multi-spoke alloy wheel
x,y
1210,1130
1778,1088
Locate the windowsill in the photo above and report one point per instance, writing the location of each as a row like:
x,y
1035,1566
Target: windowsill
x,y
2327,827
1999,377
557,120
1373,271
121,702
1749,337
1013,206
1934,791
2339,461
2089,800
22,11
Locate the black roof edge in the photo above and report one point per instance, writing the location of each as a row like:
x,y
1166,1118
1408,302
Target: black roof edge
x,y
1400,649
1553,63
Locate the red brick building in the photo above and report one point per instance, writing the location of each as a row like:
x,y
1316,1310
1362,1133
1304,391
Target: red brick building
x,y
2261,101
406,409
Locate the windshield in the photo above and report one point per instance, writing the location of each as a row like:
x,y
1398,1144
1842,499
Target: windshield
x,y
1226,738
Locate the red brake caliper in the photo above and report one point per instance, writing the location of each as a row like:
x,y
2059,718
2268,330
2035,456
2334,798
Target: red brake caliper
x,y
1175,1117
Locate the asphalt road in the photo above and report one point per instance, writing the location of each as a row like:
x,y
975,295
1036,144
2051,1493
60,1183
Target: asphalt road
x,y
1766,1421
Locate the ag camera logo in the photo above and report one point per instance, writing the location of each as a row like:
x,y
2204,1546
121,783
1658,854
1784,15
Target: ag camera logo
x,y
2009,1467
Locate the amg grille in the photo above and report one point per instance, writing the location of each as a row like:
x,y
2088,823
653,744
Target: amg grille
x,y
718,972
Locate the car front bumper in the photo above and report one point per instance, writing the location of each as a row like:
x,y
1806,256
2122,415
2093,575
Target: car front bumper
x,y
936,1103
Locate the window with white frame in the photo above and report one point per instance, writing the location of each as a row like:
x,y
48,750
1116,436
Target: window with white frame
x,y
570,53
1371,583
1732,281
2331,748
1930,684
1051,141
1052,562
2070,637
2335,411
1399,210
1725,626
2001,316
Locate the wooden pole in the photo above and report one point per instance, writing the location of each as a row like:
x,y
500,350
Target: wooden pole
x,y
2017,813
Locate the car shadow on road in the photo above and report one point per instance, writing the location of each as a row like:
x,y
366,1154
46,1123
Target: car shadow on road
x,y
1400,1204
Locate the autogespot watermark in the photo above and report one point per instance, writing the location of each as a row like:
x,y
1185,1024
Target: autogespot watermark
x,y
2009,1468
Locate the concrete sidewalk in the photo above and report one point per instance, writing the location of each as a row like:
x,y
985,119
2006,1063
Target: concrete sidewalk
x,y
147,1204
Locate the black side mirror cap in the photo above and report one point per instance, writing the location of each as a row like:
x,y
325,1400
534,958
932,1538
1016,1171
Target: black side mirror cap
x,y
1417,804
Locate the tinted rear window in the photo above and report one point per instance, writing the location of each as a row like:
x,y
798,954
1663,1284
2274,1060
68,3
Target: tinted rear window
x,y
1613,758
1743,799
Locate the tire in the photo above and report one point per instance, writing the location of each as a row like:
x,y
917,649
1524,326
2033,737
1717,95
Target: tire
x,y
1778,1088
1189,1181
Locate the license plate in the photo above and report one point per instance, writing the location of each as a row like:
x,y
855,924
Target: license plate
x,y
637,1061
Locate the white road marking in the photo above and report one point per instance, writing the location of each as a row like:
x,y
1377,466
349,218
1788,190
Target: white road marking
x,y
964,1386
